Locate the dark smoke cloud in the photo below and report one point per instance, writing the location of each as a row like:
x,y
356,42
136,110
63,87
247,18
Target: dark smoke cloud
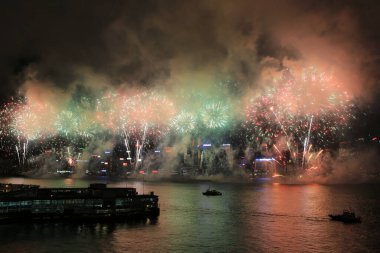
x,y
152,42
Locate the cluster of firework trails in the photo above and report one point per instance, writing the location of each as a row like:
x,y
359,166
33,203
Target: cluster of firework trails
x,y
290,121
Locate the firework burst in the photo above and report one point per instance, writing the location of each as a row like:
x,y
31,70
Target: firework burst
x,y
215,115
286,107
183,123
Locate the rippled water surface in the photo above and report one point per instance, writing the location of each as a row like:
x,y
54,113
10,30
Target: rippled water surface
x,y
257,217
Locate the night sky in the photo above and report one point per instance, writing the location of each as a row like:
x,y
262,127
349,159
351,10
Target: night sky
x,y
167,43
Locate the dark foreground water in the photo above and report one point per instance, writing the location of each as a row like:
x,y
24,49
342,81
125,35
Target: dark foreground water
x,y
260,217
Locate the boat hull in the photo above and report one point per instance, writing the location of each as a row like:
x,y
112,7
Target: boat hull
x,y
345,219
211,193
79,217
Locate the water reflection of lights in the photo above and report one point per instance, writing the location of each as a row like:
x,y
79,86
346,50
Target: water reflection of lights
x,y
68,182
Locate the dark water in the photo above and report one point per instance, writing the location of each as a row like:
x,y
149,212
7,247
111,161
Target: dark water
x,y
262,217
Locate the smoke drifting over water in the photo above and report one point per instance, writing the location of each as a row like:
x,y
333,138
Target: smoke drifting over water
x,y
348,167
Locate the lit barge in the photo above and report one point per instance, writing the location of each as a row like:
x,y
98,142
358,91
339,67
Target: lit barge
x,y
97,202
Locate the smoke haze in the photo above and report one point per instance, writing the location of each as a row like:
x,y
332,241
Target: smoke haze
x,y
181,43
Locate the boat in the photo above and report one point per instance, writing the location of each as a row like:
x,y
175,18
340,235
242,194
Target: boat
x,y
97,202
211,192
346,217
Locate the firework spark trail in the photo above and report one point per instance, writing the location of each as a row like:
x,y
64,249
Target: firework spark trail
x,y
277,161
140,147
306,143
24,154
18,155
26,146
319,153
21,148
304,152
274,145
282,127
126,143
309,158
309,149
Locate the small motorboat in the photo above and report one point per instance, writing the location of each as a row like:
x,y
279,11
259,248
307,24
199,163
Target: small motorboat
x,y
346,217
210,192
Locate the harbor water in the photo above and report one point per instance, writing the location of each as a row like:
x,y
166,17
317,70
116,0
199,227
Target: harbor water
x,y
248,217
